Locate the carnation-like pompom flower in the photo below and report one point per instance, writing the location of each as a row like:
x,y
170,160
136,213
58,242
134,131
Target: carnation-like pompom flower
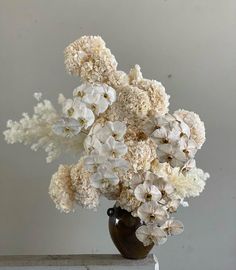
x,y
147,192
173,227
152,212
104,177
89,58
67,127
149,234
115,129
113,148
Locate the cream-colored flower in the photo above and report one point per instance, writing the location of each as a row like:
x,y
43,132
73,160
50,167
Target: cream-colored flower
x,y
86,195
157,95
89,58
134,101
61,189
128,201
190,184
173,227
140,154
147,192
149,234
195,124
152,212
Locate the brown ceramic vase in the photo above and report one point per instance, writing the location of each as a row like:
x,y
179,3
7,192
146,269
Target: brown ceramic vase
x,y
122,227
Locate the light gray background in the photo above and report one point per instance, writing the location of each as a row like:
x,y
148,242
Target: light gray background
x,y
188,45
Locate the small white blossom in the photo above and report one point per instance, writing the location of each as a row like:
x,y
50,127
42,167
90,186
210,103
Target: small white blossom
x,y
115,129
114,149
149,234
91,143
147,192
38,96
173,227
152,212
66,127
104,177
92,162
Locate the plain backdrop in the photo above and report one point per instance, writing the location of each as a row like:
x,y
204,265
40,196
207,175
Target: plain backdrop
x,y
188,45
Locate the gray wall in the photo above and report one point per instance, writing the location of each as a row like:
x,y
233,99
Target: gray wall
x,y
190,46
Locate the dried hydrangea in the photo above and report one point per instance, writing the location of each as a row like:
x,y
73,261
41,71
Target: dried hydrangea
x,y
195,124
61,189
128,201
89,58
86,195
140,154
159,100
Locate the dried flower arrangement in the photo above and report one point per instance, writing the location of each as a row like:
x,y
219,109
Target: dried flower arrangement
x,y
131,148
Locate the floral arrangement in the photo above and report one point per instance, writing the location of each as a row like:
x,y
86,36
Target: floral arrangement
x,y
130,148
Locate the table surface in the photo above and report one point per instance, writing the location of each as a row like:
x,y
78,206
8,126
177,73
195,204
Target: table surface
x,y
72,260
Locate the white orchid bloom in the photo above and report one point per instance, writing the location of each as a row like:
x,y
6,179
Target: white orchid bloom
x,y
149,234
80,91
152,212
109,94
173,227
115,129
69,108
84,115
119,163
104,177
147,192
114,149
92,162
66,127
91,143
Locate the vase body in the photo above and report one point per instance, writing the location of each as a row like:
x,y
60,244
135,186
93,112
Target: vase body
x,y
122,227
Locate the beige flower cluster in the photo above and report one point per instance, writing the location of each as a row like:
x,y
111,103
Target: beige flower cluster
x,y
89,58
70,186
131,148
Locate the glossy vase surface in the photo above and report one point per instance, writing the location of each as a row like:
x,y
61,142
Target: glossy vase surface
x,y
122,227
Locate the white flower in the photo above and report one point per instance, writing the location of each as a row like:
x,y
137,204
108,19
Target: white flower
x,y
66,127
109,94
151,212
91,143
115,129
91,163
84,115
149,234
173,227
38,96
114,149
119,163
104,177
147,192
69,108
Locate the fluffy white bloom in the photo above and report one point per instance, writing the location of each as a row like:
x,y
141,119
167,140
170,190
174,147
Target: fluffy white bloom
x,y
61,190
149,234
173,227
115,129
147,192
89,58
37,132
86,195
190,184
152,212
67,127
104,177
113,148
